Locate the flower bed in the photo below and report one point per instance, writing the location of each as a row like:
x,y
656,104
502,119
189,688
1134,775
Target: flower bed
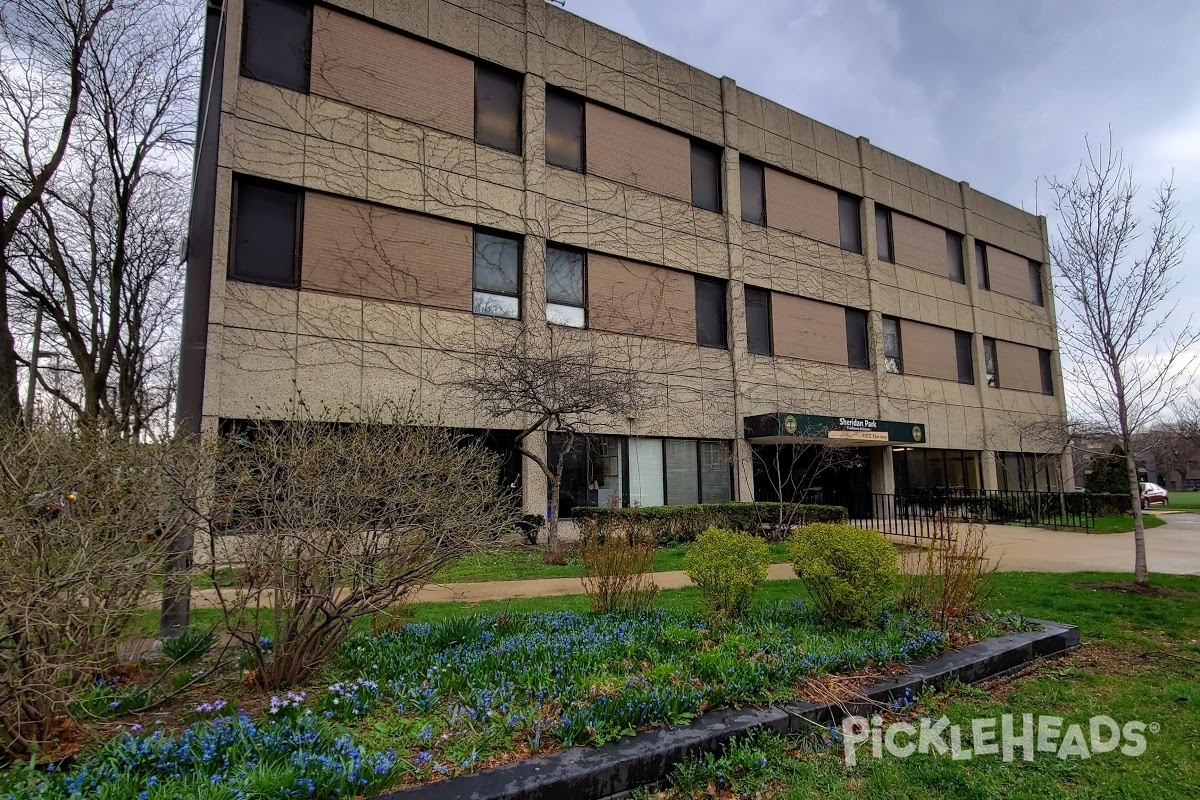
x,y
436,700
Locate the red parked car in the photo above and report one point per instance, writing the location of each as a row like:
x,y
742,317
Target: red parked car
x,y
1153,494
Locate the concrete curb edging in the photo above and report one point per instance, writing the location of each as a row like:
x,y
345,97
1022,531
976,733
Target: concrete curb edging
x,y
595,773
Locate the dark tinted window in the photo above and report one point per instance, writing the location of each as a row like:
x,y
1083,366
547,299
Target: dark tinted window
x,y
564,130
758,321
715,474
565,291
706,182
893,359
497,271
966,362
858,353
985,279
989,362
498,108
1035,283
266,233
848,221
710,312
1047,373
754,197
275,42
954,257
883,234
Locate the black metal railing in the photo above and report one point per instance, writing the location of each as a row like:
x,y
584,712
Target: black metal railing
x,y
916,513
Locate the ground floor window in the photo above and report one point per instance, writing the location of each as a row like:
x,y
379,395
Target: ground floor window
x,y
929,468
641,471
1027,472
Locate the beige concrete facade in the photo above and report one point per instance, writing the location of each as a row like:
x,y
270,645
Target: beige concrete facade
x,y
382,146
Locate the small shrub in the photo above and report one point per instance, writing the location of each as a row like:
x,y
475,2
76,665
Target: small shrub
x,y
847,570
190,646
728,567
618,556
954,577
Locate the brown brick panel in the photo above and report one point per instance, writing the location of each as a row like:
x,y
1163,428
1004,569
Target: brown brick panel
x,y
802,207
368,66
928,350
629,151
638,299
1019,365
808,329
920,245
1009,273
363,250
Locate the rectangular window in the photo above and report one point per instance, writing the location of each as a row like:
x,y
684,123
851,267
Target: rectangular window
x,y
758,321
985,279
497,273
1035,283
645,472
754,193
683,472
858,352
1047,372
565,287
966,361
883,234
715,476
954,257
710,313
266,232
851,230
706,177
989,362
276,38
498,108
893,354
564,130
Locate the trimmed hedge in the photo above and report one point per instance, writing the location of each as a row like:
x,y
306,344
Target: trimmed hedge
x,y
675,524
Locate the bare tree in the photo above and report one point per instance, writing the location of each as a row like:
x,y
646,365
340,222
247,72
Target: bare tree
x,y
1114,300
43,52
558,382
96,253
330,522
85,517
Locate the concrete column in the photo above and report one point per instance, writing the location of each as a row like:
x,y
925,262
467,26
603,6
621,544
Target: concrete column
x,y
883,475
987,463
533,481
743,471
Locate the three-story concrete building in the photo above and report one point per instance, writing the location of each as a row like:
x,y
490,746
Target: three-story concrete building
x,y
381,183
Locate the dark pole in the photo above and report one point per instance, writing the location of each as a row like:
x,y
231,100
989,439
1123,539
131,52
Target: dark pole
x,y
176,598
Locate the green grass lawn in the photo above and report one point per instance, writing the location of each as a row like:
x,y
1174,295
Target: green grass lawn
x,y
522,562
1140,661
1184,500
1124,524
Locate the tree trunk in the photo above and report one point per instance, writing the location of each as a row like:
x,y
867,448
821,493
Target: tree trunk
x,y
1141,575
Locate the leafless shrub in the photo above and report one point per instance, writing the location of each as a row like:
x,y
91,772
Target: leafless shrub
x,y
84,517
618,555
954,576
332,521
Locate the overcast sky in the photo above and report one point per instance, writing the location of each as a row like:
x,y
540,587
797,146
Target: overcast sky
x,y
995,93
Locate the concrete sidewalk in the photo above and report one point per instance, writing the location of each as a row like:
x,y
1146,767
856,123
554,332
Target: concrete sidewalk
x,y
1173,548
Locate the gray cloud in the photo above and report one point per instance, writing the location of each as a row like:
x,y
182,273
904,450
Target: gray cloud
x,y
997,94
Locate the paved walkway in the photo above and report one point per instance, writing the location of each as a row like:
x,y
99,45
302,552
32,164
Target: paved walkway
x,y
1172,548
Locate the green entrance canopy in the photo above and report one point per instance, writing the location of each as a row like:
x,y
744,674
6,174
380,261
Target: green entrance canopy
x,y
780,428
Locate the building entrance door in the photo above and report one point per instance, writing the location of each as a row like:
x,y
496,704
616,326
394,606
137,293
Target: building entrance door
x,y
812,473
